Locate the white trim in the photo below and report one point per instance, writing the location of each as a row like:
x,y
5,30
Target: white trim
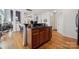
x,y
70,36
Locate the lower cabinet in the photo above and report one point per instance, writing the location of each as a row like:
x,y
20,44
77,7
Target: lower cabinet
x,y
35,40
38,36
41,37
44,35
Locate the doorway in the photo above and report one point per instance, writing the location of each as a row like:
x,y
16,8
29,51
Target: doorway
x,y
18,16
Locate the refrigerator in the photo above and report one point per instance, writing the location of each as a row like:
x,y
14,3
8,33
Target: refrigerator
x,y
77,25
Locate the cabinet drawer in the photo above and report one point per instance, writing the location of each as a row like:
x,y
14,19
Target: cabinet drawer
x,y
35,38
42,29
35,43
35,31
35,34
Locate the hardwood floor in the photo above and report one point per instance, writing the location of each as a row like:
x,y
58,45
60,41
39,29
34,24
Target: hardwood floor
x,y
60,42
15,41
18,40
57,42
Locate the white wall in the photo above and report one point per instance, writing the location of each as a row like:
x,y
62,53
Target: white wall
x,y
66,22
69,23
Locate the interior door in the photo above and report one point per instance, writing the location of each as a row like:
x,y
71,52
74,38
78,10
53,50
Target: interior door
x,y
59,19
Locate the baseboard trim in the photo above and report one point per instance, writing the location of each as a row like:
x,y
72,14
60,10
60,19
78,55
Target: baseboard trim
x,y
66,36
54,29
70,38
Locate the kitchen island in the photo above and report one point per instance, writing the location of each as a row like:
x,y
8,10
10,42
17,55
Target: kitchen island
x,y
37,36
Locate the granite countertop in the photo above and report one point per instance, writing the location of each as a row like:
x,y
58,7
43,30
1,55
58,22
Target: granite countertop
x,y
36,27
40,27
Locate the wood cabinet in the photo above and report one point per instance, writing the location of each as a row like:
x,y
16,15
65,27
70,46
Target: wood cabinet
x,y
35,38
38,36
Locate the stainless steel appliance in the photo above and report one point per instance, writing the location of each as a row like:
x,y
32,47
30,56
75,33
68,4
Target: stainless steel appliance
x,y
77,25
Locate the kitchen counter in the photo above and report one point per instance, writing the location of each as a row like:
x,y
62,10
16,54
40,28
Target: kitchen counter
x,y
38,27
36,36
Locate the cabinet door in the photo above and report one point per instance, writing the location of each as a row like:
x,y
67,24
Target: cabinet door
x,y
42,37
35,39
46,34
50,33
35,42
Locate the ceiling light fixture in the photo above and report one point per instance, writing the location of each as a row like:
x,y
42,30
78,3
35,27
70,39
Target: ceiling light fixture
x,y
28,9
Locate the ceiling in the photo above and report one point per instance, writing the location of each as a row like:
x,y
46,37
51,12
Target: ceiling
x,y
38,11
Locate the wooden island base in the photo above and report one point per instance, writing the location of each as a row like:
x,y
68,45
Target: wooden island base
x,y
38,36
